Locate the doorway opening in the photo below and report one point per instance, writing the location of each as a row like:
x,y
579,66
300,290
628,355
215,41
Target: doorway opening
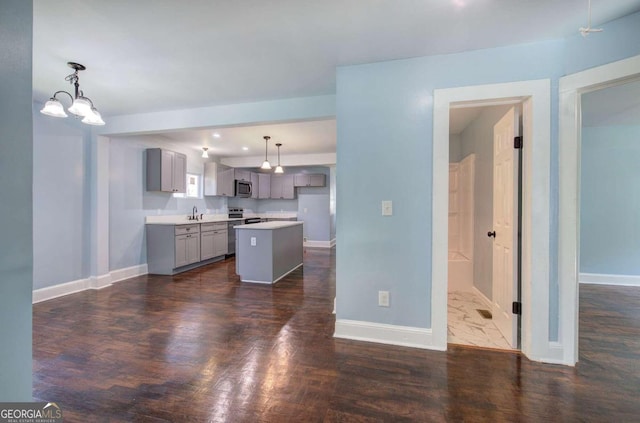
x,y
572,87
485,182
536,99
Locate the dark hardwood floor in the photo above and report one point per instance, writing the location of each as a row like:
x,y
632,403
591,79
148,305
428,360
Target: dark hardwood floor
x,y
202,347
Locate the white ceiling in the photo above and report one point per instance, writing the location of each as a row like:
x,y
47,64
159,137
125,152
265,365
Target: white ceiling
x,y
152,55
296,138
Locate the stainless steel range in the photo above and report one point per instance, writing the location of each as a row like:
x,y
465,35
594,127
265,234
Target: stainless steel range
x,y
234,213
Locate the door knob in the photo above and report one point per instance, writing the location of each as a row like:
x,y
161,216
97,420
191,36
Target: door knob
x,y
491,234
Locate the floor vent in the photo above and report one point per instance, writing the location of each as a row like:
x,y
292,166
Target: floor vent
x,y
484,313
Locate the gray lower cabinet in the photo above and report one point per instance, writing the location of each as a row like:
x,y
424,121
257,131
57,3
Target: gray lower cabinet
x,y
187,245
187,249
173,249
213,240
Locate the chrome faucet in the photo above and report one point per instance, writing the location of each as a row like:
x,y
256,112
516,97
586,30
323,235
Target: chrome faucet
x,y
193,213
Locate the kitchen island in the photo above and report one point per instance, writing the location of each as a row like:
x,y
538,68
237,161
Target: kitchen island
x,y
266,252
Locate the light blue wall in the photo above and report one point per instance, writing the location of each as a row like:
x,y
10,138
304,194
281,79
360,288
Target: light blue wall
x,y
333,180
313,207
477,138
130,202
61,200
610,200
620,39
385,115
16,175
316,201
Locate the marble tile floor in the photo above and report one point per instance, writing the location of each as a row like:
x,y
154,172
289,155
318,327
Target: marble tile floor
x,y
465,326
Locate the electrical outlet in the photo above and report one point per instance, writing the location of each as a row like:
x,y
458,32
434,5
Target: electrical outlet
x,y
387,208
253,241
383,298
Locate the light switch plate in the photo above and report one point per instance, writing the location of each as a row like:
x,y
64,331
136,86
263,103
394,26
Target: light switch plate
x,y
387,208
253,241
383,298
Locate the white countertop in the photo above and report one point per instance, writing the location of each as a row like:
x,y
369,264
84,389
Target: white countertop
x,y
182,219
268,225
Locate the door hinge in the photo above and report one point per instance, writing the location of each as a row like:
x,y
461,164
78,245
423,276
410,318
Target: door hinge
x,y
517,142
516,307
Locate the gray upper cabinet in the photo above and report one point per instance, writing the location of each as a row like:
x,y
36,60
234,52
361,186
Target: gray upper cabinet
x,y
255,185
264,185
282,187
211,178
166,170
218,180
226,183
309,180
242,175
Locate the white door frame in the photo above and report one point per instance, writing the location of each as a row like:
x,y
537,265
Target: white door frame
x,y
535,214
571,89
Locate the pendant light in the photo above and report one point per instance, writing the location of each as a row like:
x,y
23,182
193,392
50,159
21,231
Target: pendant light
x,y
205,155
278,168
266,165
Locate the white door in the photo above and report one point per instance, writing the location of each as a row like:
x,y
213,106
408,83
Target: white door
x,y
505,225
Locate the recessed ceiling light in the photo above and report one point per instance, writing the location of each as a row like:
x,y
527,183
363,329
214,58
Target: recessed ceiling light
x,y
216,135
245,148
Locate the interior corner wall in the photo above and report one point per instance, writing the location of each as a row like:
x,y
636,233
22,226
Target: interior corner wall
x,y
314,208
385,115
477,138
610,200
332,201
61,200
130,202
455,155
16,175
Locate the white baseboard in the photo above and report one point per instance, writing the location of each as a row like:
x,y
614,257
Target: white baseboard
x,y
333,242
55,291
319,244
483,297
99,282
385,334
602,279
93,282
129,272
553,355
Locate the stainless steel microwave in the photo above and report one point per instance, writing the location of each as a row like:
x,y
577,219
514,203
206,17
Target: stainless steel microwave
x,y
243,188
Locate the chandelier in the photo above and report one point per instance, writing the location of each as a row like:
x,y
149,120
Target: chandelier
x,y
81,106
